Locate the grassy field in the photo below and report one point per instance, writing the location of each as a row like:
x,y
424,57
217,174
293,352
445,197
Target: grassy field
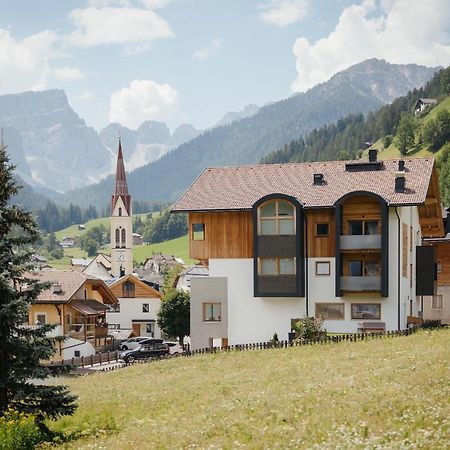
x,y
73,230
385,393
178,247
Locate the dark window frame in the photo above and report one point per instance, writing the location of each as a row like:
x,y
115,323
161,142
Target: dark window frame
x,y
341,305
128,289
318,224
194,235
353,305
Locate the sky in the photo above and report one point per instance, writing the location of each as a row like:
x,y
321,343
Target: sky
x,y
191,61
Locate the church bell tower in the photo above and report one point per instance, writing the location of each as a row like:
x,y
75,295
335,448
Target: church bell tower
x,y
121,223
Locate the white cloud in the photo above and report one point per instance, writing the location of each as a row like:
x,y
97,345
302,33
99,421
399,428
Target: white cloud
x,y
142,100
24,63
86,95
400,31
210,50
155,4
68,74
104,3
98,26
284,12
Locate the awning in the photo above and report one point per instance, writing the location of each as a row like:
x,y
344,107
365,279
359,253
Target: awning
x,y
89,307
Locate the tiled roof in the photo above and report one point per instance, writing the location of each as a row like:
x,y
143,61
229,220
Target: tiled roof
x,y
238,188
70,282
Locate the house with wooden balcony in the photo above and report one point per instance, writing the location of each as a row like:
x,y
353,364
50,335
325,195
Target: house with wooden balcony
x,y
337,240
77,305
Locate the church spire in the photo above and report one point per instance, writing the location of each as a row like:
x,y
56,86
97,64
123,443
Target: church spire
x,y
121,187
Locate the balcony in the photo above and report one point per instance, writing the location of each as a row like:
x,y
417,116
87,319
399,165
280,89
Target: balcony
x,y
86,331
361,284
359,242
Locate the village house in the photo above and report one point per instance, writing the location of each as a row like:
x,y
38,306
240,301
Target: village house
x,y
337,240
137,308
423,103
77,305
67,242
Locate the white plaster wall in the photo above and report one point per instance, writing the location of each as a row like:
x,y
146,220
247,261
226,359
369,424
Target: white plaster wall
x,y
126,222
131,309
85,348
253,319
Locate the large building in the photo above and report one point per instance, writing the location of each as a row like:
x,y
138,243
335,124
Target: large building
x,y
336,240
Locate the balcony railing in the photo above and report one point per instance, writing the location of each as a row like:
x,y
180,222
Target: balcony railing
x,y
86,331
57,331
356,242
361,284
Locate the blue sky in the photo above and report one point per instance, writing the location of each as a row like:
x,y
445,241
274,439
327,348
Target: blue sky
x,y
192,61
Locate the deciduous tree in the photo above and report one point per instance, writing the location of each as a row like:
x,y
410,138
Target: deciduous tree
x,y
174,315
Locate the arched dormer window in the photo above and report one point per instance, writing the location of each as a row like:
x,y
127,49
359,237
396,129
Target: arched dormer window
x,y
120,211
117,238
276,218
124,243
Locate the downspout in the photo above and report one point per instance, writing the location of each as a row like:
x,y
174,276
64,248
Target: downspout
x,y
306,267
398,270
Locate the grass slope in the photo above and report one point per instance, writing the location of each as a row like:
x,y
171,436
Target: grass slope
x,y
178,247
384,393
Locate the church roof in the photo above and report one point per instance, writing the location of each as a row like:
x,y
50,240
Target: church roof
x,y
121,187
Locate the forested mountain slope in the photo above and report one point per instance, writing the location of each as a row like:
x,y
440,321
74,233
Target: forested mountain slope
x,y
361,88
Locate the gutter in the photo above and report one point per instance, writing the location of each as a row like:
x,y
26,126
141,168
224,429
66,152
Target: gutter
x,y
398,269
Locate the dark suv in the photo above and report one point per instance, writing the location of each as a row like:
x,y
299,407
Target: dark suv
x,y
146,351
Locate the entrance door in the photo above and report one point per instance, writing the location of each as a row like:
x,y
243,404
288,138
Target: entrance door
x,y
137,329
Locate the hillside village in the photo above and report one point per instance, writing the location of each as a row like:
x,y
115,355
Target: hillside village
x,y
225,225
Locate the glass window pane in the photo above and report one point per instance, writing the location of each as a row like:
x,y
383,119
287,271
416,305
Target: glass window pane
x,y
268,266
322,229
355,227
355,268
216,312
371,228
268,227
287,266
285,208
268,209
323,268
371,269
366,311
286,226
198,231
330,311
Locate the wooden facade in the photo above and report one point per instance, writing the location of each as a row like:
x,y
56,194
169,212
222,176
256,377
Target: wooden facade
x,y
227,234
320,246
141,290
360,208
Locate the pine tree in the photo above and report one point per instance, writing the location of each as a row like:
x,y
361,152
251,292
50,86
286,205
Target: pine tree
x,y
23,349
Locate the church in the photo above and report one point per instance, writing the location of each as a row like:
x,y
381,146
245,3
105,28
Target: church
x,y
139,303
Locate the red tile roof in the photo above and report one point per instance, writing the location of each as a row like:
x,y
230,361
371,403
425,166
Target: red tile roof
x,y
238,188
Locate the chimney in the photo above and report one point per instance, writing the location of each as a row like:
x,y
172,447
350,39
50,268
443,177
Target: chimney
x,y
401,165
57,289
400,181
373,155
318,179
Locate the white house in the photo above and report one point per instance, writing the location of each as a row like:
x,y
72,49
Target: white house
x,y
337,240
138,307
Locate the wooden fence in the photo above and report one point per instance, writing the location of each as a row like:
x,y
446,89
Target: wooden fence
x,y
106,359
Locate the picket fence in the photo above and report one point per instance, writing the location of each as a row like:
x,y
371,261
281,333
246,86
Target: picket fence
x,y
107,358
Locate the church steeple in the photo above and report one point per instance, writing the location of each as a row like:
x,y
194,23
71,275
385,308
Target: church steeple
x,y
121,223
121,187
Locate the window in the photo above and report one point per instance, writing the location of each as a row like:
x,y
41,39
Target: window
x,y
330,311
117,238
128,289
120,212
198,231
439,267
366,311
145,307
76,353
149,328
212,312
437,302
41,319
276,217
322,229
276,266
123,237
360,227
323,268
364,268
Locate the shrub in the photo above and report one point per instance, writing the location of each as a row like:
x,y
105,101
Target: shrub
x,y
18,431
57,253
274,339
387,140
308,328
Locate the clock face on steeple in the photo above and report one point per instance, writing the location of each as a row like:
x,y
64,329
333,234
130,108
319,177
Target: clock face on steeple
x,y
120,256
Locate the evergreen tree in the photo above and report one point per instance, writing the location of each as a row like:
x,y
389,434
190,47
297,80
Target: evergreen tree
x,y
405,134
23,349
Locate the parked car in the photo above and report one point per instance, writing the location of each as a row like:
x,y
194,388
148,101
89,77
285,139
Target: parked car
x,y
146,351
133,343
174,347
